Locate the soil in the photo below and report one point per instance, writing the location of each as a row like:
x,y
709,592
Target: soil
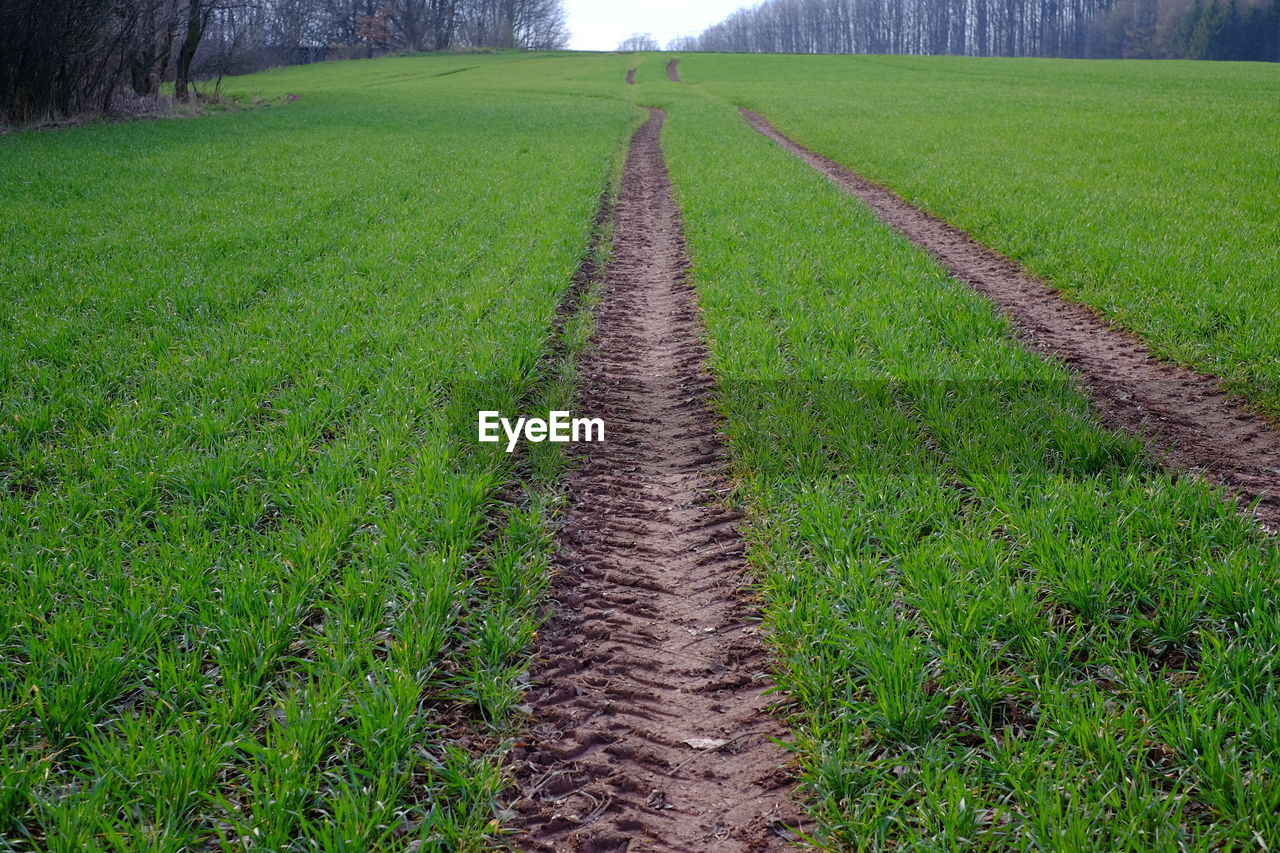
x,y
651,725
1183,417
673,71
631,76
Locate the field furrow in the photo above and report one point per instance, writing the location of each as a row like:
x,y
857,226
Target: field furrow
x,y
1143,190
1183,417
998,623
650,719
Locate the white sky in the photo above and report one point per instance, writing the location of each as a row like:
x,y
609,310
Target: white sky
x,y
601,24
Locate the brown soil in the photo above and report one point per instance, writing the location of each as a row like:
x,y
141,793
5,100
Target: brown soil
x,y
651,643
1182,416
631,76
673,71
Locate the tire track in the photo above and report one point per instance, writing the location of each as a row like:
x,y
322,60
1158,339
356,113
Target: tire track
x,y
631,76
1183,417
651,644
673,71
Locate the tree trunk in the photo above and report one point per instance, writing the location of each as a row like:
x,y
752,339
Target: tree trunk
x,y
164,46
507,24
196,19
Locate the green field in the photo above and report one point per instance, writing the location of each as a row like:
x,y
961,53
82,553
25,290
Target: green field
x,y
1146,190
255,563
261,587
998,625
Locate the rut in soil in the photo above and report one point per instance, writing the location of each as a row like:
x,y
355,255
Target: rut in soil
x,y
673,71
651,725
1183,417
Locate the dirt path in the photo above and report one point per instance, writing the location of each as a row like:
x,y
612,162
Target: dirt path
x,y
631,76
1183,417
651,643
673,71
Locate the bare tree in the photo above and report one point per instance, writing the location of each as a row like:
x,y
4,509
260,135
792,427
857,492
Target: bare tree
x,y
65,57
539,25
61,57
973,27
151,48
198,15
528,24
638,41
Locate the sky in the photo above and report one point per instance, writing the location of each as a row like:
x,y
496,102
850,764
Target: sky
x,y
601,24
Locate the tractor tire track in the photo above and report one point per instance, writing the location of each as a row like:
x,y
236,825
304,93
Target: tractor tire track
x,y
651,643
631,76
673,71
1186,421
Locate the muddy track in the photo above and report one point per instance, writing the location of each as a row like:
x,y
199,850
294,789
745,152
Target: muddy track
x,y
650,643
1183,417
631,76
673,71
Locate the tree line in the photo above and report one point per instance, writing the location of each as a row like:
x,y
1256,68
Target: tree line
x,y
61,58
1156,29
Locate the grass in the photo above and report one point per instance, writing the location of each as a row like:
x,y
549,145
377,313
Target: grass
x,y
1146,190
997,625
261,587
